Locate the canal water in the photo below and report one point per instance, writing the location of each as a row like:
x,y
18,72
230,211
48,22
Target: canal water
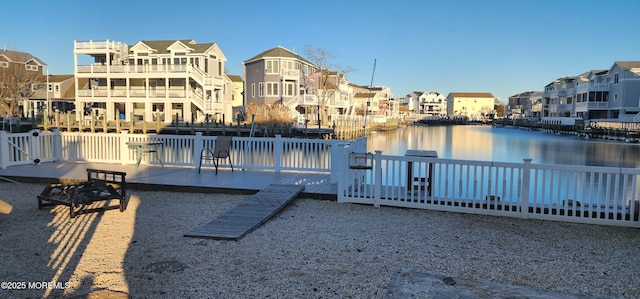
x,y
486,143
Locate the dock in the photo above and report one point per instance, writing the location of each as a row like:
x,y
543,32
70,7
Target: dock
x,y
249,215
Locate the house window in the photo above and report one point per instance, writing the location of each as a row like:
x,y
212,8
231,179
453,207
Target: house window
x,y
253,90
272,89
615,96
30,67
179,53
272,66
4,64
615,78
289,88
261,89
287,65
142,54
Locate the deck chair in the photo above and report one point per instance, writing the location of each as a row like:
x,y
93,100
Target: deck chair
x,y
220,151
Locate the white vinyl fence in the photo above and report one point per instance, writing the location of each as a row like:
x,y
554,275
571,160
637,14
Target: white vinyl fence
x,y
585,194
266,153
597,195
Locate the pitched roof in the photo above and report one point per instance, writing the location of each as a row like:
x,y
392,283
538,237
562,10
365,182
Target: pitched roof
x,y
20,57
235,78
162,45
628,64
472,95
278,51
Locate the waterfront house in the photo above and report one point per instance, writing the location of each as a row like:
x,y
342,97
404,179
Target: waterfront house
x,y
559,97
21,75
610,95
152,80
237,90
472,105
624,91
59,93
378,99
334,92
427,103
527,104
278,75
592,94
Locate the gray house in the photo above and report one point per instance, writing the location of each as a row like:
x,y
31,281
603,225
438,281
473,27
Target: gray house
x,y
276,75
624,90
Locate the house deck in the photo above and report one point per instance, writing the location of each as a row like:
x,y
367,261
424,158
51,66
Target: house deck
x,y
186,179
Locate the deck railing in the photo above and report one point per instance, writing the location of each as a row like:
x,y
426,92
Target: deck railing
x,y
584,194
277,154
597,195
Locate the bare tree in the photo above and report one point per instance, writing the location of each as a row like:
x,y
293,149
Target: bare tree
x,y
19,80
330,77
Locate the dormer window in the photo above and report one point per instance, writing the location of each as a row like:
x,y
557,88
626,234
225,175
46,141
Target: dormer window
x,y
142,54
179,53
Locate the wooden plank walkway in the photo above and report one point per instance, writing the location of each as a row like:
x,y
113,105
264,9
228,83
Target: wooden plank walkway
x,y
249,215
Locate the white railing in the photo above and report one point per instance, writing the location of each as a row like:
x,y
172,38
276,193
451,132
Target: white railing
x,y
585,194
592,87
277,154
597,195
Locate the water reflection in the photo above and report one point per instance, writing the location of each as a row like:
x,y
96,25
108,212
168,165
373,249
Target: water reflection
x,y
485,143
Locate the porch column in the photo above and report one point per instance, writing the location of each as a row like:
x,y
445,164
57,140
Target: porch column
x,y
168,112
110,113
148,113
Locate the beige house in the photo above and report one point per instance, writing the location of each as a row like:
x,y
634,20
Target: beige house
x,y
152,80
237,91
473,105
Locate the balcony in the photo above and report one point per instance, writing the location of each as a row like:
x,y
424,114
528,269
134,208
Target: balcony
x,y
290,74
582,88
90,46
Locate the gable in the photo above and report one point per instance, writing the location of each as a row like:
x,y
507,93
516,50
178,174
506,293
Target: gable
x,y
278,52
179,46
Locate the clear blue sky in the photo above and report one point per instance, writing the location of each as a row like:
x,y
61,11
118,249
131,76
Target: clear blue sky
x,y
503,47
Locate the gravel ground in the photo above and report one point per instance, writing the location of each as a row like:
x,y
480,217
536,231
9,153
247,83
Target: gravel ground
x,y
312,249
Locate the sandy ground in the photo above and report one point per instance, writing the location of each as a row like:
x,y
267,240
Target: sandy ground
x,y
313,249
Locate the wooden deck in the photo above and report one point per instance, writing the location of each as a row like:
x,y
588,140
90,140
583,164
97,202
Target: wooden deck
x,y
187,179
249,215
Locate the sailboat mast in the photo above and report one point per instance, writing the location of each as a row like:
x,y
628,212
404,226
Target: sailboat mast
x,y
366,111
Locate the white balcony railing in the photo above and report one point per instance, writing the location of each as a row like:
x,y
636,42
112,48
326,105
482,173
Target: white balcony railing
x,y
592,87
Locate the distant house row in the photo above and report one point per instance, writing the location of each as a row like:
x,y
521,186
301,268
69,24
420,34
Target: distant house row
x,y
612,94
162,80
165,80
471,105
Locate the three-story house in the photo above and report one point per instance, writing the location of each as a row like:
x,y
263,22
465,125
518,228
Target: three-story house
x,y
151,81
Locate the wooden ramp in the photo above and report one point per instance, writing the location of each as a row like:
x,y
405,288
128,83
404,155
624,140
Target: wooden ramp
x,y
249,215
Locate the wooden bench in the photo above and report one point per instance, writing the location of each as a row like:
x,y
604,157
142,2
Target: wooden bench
x,y
101,185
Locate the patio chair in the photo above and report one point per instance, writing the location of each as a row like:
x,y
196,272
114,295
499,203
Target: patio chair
x,y
220,151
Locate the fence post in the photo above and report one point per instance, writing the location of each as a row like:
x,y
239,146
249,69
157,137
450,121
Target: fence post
x,y
197,148
4,149
277,152
337,159
34,146
57,144
377,181
526,185
124,148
